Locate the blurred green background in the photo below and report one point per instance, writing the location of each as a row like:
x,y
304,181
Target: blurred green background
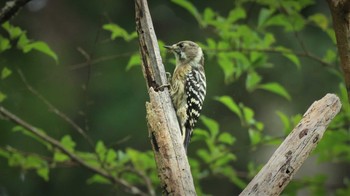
x,y
109,102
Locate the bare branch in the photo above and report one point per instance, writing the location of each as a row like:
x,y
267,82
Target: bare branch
x,y
10,9
164,130
128,187
277,51
54,109
99,60
291,154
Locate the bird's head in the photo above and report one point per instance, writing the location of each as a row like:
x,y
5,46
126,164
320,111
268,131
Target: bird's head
x,y
187,52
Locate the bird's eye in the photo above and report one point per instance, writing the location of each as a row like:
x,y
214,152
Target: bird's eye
x,y
181,45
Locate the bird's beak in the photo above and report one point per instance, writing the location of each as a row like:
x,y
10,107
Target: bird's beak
x,y
169,47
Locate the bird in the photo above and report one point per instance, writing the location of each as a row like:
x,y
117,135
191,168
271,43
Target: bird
x,y
187,86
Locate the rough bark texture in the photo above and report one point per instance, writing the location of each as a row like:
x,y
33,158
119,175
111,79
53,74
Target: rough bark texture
x,y
295,149
164,131
340,10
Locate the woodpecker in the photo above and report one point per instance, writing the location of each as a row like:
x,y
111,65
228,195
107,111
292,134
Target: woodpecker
x,y
187,86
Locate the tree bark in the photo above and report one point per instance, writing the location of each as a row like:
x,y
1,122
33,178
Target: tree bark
x,y
10,9
340,10
164,130
291,154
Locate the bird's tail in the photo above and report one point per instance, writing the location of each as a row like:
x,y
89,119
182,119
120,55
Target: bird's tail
x,y
188,135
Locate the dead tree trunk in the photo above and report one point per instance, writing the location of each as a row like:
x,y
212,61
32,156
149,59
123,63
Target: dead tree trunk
x,y
164,130
291,154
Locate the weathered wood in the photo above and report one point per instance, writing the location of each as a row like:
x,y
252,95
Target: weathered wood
x,y
340,10
164,130
291,154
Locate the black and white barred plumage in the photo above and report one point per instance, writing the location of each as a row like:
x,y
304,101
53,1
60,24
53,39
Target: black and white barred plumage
x,y
188,86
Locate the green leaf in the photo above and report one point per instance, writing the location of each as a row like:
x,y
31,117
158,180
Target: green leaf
x,y
4,44
226,64
13,31
16,159
331,34
285,122
276,88
289,55
135,60
269,39
248,115
278,20
236,14
33,161
253,79
224,160
60,157
231,104
232,175
101,149
190,8
23,41
111,157
4,153
141,160
97,179
200,134
211,43
89,158
294,58
43,172
122,157
30,134
6,72
68,143
204,155
2,96
208,15
320,20
343,97
330,56
264,14
259,125
41,47
226,138
118,31
254,136
211,124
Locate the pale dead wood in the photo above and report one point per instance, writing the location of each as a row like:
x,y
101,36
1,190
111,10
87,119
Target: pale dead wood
x,y
164,131
291,154
340,10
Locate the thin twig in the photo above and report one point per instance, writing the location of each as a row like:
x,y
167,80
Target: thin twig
x,y
301,42
277,51
49,160
10,9
15,119
55,109
99,60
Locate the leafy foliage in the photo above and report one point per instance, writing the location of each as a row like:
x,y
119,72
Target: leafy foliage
x,y
23,43
117,31
243,46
